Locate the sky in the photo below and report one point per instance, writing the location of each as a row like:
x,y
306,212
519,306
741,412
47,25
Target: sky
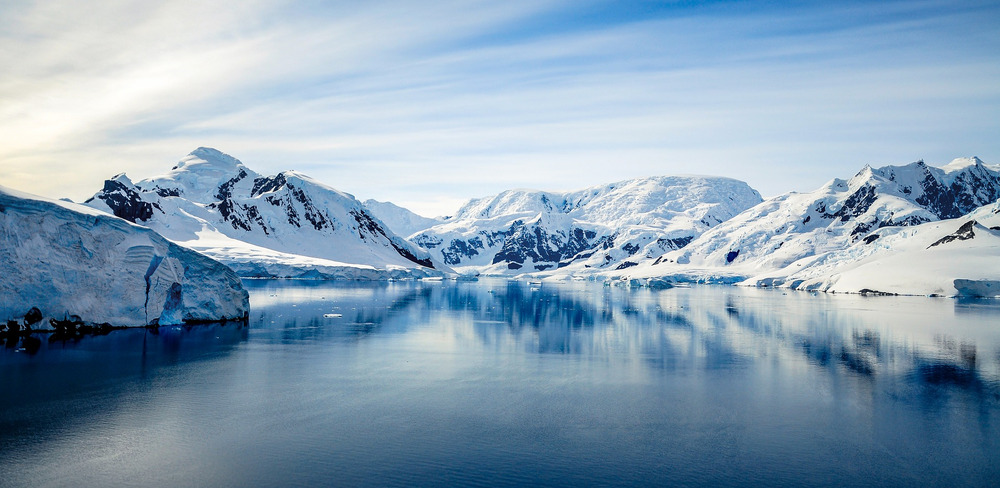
x,y
429,104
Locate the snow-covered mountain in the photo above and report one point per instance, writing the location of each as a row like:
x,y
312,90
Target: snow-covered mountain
x,y
789,227
67,259
950,257
851,235
402,221
286,225
604,227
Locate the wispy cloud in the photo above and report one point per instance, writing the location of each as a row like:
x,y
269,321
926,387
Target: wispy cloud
x,y
430,106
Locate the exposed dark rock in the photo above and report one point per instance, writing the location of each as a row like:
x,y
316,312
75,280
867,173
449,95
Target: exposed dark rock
x,y
973,189
858,203
533,242
964,233
865,227
872,238
312,214
430,242
33,317
12,328
459,249
732,255
626,264
868,291
240,216
677,242
367,225
226,188
268,184
68,324
168,192
936,196
125,202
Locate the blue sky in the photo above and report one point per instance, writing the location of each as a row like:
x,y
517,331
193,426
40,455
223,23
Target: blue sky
x,y
428,104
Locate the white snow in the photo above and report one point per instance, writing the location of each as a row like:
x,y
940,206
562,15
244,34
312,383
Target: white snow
x,y
287,225
802,241
591,229
67,259
959,164
792,226
903,260
872,231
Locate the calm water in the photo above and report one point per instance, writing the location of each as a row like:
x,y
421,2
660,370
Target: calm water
x,y
504,383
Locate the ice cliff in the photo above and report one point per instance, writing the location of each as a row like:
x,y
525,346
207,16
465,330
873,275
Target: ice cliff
x,y
70,260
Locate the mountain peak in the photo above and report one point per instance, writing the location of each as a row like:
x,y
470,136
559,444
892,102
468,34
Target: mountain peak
x,y
864,176
122,178
204,158
199,175
958,164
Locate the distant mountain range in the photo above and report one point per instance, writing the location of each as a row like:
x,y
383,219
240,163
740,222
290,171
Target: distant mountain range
x,y
913,229
677,228
607,227
793,240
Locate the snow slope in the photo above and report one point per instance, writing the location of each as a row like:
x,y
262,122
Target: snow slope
x,y
286,225
400,220
872,233
599,228
784,229
950,257
67,259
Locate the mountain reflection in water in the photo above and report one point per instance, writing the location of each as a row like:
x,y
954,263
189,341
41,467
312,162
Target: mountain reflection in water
x,y
505,383
916,339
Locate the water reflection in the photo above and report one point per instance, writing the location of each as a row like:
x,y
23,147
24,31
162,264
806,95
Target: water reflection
x,y
509,383
937,344
58,371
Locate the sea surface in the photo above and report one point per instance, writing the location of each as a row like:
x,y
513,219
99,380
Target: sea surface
x,y
502,383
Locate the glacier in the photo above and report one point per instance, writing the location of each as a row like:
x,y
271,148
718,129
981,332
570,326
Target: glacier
x,y
75,263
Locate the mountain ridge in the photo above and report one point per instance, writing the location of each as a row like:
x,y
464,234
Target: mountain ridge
x,y
213,203
596,227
